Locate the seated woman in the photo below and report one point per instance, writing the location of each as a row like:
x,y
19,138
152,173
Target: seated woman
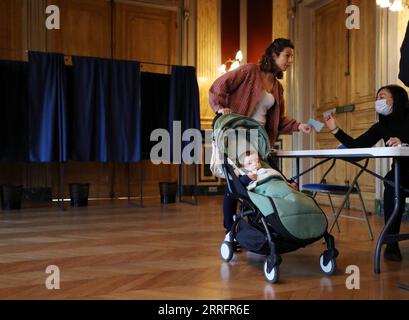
x,y
392,127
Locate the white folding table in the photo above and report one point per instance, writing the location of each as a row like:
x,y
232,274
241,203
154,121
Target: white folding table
x,y
376,152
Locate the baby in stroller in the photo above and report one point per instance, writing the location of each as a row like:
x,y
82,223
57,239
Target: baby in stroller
x,y
274,218
255,173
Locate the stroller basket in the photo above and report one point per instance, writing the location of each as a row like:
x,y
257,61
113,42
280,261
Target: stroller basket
x,y
250,238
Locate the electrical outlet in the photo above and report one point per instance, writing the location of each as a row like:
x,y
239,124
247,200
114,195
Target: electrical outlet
x,y
212,189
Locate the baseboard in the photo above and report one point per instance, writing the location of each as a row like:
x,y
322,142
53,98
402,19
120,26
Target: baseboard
x,y
37,194
203,190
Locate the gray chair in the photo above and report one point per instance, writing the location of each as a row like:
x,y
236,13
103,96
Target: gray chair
x,y
343,190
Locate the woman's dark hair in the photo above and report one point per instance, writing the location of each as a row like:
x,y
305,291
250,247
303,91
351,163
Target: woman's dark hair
x,y
400,101
267,63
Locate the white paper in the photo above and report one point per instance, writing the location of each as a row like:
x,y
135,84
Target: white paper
x,y
315,124
327,113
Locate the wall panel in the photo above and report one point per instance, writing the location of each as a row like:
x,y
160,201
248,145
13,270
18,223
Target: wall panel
x,y
11,29
85,28
146,34
345,74
363,48
207,55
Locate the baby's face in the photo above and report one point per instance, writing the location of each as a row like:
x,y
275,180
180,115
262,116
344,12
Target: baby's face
x,y
251,162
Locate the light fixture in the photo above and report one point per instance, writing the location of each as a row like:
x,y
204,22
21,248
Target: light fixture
x,y
383,3
396,5
230,64
239,56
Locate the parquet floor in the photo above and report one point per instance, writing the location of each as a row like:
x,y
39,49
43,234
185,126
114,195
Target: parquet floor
x,y
110,250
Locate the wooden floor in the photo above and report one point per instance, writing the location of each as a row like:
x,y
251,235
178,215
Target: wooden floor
x,y
109,250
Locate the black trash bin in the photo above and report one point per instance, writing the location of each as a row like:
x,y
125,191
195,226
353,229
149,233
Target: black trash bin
x,y
11,197
168,191
79,194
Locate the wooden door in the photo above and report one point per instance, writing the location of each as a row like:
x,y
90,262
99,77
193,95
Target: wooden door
x,y
330,68
363,54
344,74
330,56
362,91
146,34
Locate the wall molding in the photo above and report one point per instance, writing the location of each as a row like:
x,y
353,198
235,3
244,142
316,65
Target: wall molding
x,y
167,5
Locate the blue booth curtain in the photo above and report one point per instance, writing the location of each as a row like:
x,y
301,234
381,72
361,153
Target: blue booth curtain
x,y
104,110
184,100
47,107
88,112
13,111
88,104
124,112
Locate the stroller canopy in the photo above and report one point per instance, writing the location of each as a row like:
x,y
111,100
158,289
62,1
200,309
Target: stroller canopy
x,y
235,134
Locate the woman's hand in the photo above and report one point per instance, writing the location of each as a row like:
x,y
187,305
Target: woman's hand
x,y
224,111
305,128
331,122
393,142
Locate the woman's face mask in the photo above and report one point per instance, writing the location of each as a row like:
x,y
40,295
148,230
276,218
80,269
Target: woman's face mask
x,y
382,107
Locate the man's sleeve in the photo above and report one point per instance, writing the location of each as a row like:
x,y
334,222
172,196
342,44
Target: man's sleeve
x,y
404,59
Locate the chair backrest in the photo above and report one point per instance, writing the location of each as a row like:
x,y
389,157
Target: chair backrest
x,y
356,159
353,160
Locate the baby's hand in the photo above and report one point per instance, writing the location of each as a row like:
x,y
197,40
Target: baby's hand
x,y
252,176
293,185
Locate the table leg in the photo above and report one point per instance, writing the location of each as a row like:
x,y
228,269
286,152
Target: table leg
x,y
386,227
128,172
61,191
297,171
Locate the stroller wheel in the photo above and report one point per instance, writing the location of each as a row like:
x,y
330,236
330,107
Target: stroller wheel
x,y
273,275
329,269
226,251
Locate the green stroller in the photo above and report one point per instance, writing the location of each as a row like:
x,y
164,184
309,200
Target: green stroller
x,y
273,218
